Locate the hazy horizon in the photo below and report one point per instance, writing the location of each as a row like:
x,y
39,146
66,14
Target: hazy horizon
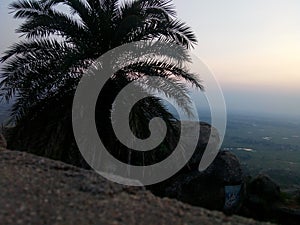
x,y
252,47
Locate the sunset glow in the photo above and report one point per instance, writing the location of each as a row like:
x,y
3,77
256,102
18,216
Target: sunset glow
x,y
251,46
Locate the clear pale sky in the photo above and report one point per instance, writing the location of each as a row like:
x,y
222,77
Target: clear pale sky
x,y
252,47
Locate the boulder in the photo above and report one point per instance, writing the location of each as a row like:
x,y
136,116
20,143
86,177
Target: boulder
x,y
206,189
226,169
213,188
261,198
263,189
206,132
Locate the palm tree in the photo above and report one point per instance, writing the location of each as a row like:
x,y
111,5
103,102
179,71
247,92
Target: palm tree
x,y
42,71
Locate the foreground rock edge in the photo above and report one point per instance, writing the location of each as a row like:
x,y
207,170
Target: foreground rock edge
x,y
36,190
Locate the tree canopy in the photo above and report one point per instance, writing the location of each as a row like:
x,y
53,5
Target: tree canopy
x,y
61,38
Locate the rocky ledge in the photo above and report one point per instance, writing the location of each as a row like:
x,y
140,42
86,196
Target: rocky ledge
x,y
36,190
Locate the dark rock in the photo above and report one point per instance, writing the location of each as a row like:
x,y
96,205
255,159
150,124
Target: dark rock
x,y
205,131
197,189
226,169
35,190
206,189
262,198
263,189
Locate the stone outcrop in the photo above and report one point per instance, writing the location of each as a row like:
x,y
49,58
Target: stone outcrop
x,y
260,197
264,188
206,189
36,190
206,132
263,200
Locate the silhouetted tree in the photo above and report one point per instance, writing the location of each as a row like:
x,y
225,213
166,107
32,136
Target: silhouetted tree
x,y
61,38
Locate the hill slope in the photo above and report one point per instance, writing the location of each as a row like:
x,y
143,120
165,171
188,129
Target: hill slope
x,y
36,190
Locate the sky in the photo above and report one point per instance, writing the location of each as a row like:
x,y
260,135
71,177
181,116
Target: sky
x,y
251,46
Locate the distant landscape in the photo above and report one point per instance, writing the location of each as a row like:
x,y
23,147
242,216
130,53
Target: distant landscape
x,y
263,144
266,145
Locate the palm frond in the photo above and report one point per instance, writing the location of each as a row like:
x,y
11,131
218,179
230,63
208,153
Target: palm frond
x,y
43,71
26,8
166,70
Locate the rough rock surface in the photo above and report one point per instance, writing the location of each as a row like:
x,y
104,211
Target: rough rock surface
x,y
35,190
226,169
262,187
206,188
263,200
208,136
